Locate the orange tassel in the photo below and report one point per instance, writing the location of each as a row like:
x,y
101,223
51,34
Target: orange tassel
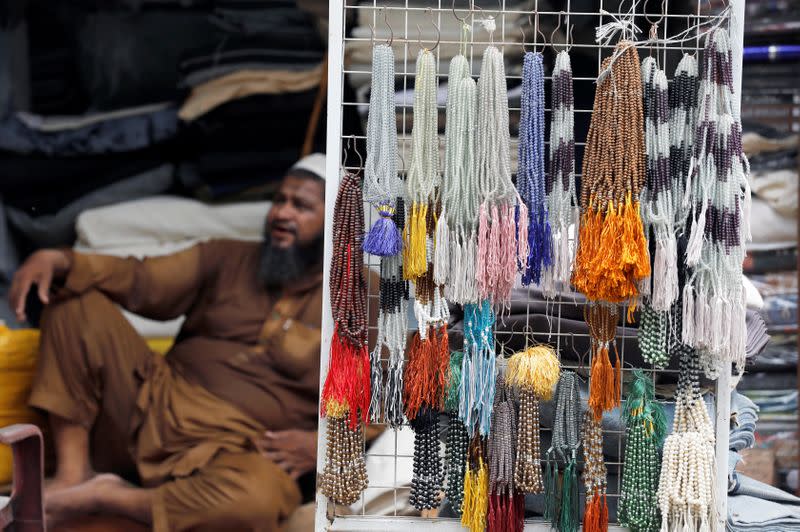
x,y
427,371
602,390
595,517
617,379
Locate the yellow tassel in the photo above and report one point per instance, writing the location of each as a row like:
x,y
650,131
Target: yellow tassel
x,y
336,409
536,368
415,259
476,498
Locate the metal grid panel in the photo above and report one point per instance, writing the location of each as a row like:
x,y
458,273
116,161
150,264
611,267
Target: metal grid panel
x,y
346,46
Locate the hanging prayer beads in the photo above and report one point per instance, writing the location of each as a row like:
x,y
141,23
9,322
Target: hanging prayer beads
x,y
657,201
652,336
457,439
347,382
530,174
533,373
456,231
478,368
612,256
506,504
344,476
476,488
561,500
392,332
423,174
428,473
645,428
713,298
595,517
686,489
560,182
346,393
605,381
683,117
498,252
382,184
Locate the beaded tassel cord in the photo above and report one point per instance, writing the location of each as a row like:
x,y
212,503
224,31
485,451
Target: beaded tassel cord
x,y
560,182
477,391
392,332
595,517
476,488
605,381
530,174
456,230
498,232
652,336
657,201
533,373
347,383
612,256
683,117
713,299
457,438
506,505
645,428
428,472
686,487
423,174
346,393
345,474
561,502
382,184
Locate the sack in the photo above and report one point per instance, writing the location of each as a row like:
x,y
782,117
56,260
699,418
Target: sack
x,y
19,351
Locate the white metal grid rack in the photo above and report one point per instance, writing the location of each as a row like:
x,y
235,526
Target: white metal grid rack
x,y
345,49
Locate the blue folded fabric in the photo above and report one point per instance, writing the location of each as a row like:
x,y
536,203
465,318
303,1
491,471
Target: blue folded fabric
x,y
123,134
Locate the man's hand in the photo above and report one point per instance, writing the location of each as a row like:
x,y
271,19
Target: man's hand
x,y
295,451
40,269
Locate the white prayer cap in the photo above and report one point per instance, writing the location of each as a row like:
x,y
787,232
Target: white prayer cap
x,y
314,163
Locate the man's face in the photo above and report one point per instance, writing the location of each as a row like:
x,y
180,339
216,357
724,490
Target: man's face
x,y
297,215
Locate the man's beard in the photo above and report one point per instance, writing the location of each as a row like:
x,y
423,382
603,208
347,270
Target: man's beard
x,y
281,266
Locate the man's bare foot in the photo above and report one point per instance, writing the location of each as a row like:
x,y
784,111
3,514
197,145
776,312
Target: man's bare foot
x,y
84,499
63,481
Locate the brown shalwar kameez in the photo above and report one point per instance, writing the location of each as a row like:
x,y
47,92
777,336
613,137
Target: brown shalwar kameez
x,y
186,421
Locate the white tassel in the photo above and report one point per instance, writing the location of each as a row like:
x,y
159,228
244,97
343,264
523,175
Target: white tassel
x,y
688,315
695,245
441,258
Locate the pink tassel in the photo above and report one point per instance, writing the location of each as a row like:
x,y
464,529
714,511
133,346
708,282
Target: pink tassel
x,y
481,266
522,237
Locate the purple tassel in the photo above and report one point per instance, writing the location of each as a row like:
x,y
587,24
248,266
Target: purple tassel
x,y
384,238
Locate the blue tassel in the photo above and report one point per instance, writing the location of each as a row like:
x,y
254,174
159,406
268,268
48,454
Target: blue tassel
x,y
384,238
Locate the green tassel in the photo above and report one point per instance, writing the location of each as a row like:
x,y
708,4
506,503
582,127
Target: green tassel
x,y
452,398
569,520
551,494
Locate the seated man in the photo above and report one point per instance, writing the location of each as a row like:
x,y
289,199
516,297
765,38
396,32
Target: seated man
x,y
217,431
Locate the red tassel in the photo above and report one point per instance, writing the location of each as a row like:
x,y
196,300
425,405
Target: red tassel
x,y
347,382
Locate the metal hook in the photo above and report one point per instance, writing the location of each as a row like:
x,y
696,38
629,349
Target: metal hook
x,y
537,31
352,138
438,32
390,40
567,35
462,20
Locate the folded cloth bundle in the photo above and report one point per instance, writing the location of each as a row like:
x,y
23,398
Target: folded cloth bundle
x,y
744,415
746,513
97,133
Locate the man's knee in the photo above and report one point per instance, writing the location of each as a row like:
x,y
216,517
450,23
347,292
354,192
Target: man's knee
x,y
89,315
243,491
263,493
